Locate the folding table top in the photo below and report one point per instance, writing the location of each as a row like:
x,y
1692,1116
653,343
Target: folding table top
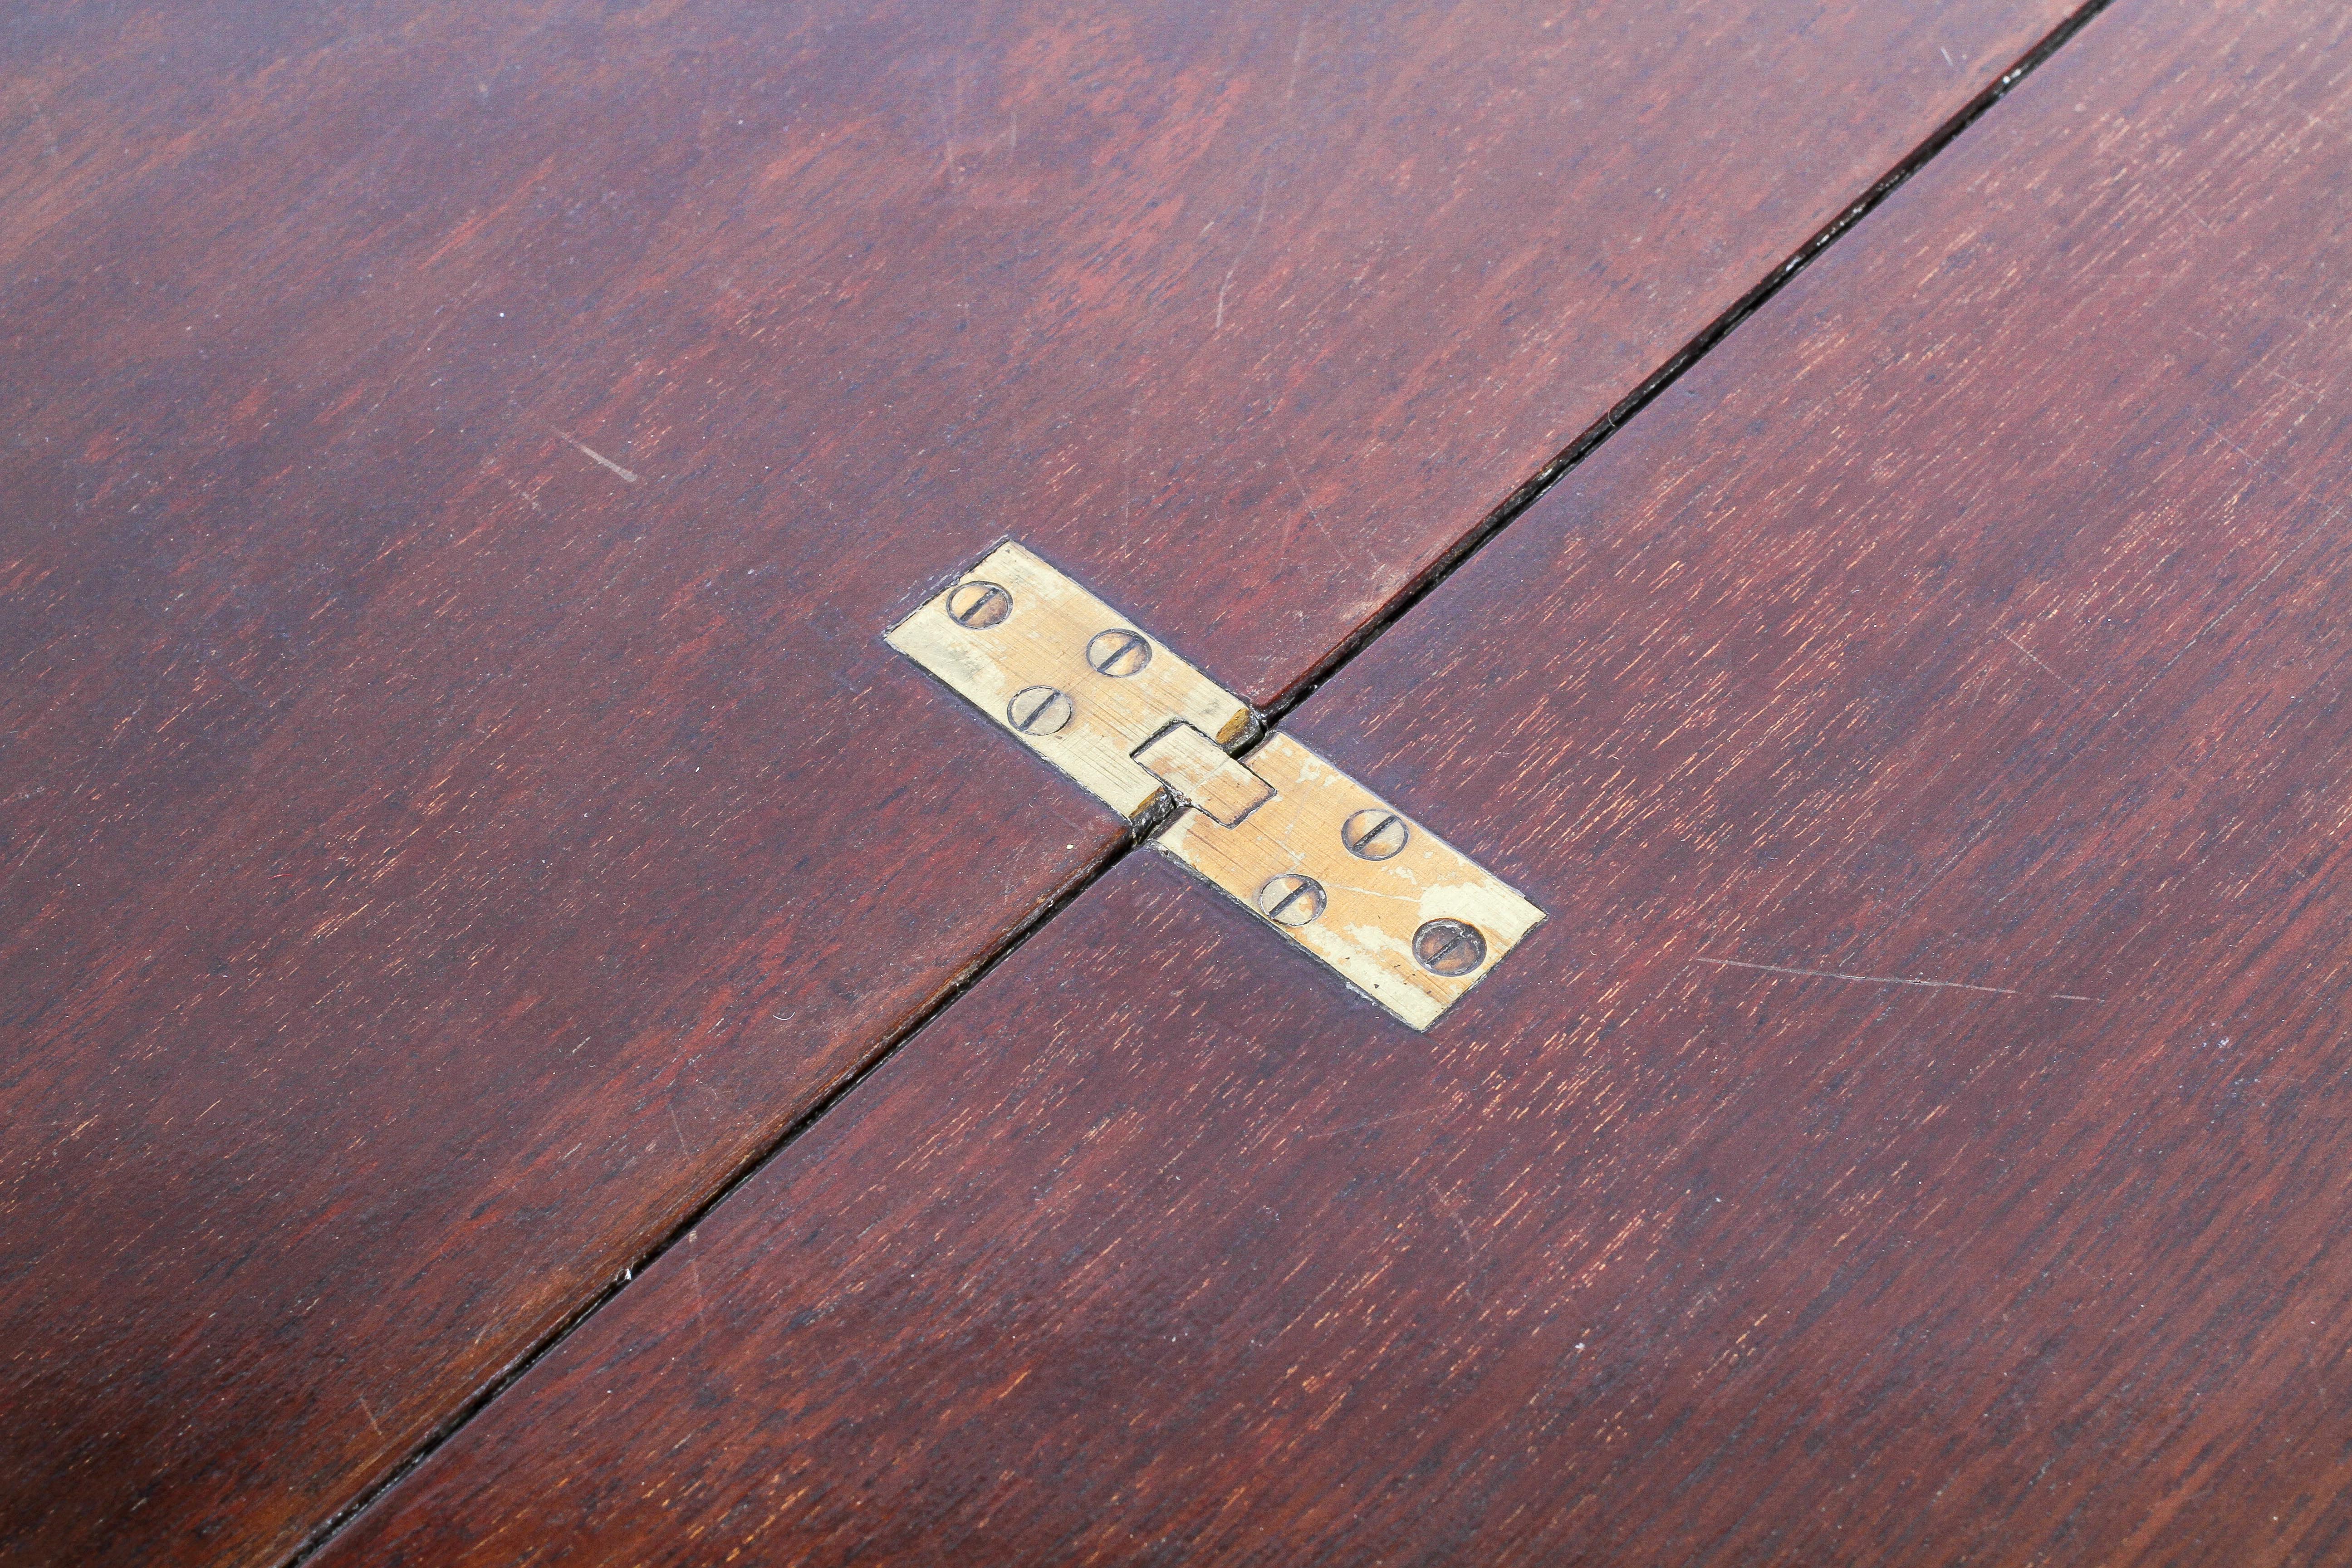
x,y
468,833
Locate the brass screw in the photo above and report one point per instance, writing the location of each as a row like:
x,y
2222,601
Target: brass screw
x,y
1291,900
1038,710
1374,833
1119,652
1449,947
978,605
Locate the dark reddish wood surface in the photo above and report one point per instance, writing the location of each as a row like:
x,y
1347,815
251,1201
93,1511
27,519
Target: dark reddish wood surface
x,y
1971,620
436,857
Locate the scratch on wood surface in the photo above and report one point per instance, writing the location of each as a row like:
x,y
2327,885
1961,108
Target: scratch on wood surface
x,y
947,128
1380,1122
1290,523
2254,362
2272,857
371,1416
2180,204
1265,186
1866,978
2037,663
1265,189
529,499
594,456
694,1273
1892,980
1304,498
1449,1205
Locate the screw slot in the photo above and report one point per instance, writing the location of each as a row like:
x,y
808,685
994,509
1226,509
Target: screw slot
x,y
1291,900
1038,710
1374,833
1119,652
978,605
1449,947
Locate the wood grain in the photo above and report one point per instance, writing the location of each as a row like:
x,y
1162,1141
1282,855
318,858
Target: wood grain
x,y
1920,1135
460,462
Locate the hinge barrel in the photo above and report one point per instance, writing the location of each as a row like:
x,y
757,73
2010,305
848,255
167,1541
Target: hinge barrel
x,y
1201,776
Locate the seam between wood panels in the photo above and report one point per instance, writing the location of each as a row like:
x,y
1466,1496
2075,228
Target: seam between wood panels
x,y
1458,554
1451,560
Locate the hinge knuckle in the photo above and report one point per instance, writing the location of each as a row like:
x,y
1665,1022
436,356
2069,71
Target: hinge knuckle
x,y
1200,772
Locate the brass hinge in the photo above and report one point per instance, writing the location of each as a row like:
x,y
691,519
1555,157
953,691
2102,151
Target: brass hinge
x,y
1403,916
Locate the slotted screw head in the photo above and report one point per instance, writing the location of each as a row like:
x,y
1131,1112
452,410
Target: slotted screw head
x,y
978,605
1119,652
1291,900
1038,710
1449,947
1374,833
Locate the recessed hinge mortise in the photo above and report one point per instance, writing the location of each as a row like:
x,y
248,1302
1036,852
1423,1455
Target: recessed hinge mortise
x,y
1403,916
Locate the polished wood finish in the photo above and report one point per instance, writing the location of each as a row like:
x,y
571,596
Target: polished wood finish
x,y
460,462
1921,1133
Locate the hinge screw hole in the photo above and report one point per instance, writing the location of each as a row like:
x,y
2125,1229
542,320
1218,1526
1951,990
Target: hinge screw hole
x,y
978,605
1291,900
1119,652
1374,833
1449,947
1038,710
